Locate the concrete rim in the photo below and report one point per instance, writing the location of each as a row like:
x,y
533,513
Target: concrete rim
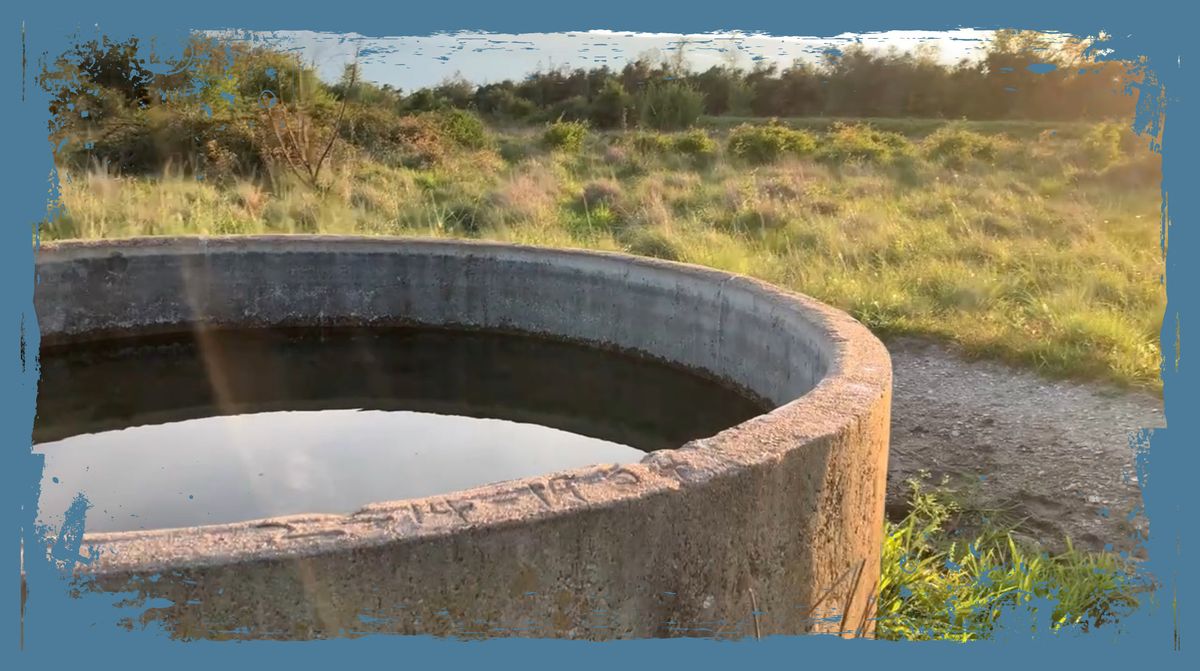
x,y
858,375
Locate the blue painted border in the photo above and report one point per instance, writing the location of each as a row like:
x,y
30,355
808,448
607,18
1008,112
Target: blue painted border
x,y
61,631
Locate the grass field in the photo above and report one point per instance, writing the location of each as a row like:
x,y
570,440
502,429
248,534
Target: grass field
x,y
920,127
1035,243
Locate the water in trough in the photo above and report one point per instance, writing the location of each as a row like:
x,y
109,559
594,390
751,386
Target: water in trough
x,y
214,426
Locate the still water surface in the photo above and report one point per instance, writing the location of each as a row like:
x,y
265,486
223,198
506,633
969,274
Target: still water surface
x,y
229,425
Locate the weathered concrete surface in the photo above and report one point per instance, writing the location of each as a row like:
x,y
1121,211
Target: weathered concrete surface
x,y
784,512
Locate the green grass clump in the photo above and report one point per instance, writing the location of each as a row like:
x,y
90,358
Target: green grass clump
x,y
566,136
767,143
653,243
695,144
862,143
955,147
938,585
652,143
463,128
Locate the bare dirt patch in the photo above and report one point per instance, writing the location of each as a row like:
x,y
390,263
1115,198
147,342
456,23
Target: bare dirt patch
x,y
1058,455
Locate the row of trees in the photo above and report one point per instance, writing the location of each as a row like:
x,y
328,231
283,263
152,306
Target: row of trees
x,y
233,102
1022,75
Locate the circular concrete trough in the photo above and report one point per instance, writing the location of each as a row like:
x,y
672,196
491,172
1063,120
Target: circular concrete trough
x,y
770,527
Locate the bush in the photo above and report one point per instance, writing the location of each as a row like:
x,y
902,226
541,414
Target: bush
x,y
494,100
419,140
149,142
378,131
462,128
695,143
669,105
611,106
863,143
565,135
767,143
420,143
954,146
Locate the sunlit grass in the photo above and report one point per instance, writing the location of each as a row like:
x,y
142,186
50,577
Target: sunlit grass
x,y
937,583
1023,251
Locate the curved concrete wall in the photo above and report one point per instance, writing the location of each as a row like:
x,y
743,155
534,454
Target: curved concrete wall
x,y
770,527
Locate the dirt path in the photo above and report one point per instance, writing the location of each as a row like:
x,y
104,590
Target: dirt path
x,y
1060,454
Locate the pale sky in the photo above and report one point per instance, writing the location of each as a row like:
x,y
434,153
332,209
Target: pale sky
x,y
412,62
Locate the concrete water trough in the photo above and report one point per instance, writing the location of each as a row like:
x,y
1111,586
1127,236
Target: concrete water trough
x,y
770,527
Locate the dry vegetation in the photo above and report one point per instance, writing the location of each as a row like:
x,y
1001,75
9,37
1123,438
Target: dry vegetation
x,y
1043,250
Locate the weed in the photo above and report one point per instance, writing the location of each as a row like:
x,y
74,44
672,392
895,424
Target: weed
x,y
936,584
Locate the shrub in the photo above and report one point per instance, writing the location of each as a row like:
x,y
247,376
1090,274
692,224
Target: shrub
x,y
565,135
420,141
375,130
151,141
462,128
494,100
669,105
612,105
863,143
695,143
767,143
954,146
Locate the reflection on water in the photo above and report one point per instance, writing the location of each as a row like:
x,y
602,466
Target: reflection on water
x,y
238,467
227,425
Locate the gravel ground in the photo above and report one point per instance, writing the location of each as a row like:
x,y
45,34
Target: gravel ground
x,y
1060,455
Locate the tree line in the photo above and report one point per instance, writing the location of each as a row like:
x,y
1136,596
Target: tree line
x,y
1021,75
232,101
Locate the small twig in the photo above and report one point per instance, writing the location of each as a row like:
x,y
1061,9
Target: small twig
x,y
754,605
866,612
816,604
337,125
283,146
850,596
